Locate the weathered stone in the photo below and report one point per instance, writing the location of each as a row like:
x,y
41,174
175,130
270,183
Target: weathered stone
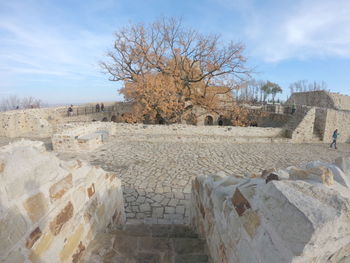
x,y
12,228
72,244
296,220
41,247
2,167
240,203
79,253
271,177
91,190
344,164
251,222
33,237
36,206
63,217
267,172
60,188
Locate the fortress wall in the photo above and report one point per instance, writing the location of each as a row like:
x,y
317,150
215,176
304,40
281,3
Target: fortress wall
x,y
51,209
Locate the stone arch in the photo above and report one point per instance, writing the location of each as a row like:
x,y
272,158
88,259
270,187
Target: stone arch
x,y
104,119
221,121
114,118
208,120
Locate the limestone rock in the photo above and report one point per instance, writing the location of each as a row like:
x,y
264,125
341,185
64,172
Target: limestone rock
x,y
344,164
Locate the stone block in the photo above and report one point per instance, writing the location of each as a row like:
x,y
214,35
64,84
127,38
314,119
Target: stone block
x,y
63,217
13,227
33,237
36,206
71,244
344,164
58,189
41,247
91,190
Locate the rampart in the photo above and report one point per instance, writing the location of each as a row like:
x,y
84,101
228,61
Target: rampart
x,y
51,209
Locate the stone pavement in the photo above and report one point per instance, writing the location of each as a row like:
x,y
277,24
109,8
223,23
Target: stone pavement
x,y
157,176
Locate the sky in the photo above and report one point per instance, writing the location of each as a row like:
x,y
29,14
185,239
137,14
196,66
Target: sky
x,y
51,49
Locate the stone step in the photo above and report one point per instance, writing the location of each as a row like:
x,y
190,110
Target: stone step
x,y
148,244
156,230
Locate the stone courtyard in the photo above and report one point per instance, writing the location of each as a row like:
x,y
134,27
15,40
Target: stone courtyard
x,y
157,176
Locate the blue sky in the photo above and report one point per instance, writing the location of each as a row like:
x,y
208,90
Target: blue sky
x,y
51,49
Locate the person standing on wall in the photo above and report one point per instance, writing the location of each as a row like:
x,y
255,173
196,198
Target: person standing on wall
x,y
97,107
102,107
335,136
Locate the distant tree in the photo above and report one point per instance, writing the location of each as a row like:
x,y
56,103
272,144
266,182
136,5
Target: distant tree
x,y
14,102
166,68
270,88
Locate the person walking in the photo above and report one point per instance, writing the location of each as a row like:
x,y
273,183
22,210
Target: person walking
x,y
335,136
102,107
97,107
70,110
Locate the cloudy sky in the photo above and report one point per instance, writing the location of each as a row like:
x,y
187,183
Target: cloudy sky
x,y
51,49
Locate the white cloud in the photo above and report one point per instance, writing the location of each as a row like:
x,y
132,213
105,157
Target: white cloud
x,y
298,29
31,43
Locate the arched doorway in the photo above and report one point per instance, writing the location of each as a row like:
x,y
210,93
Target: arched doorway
x,y
114,118
221,120
208,120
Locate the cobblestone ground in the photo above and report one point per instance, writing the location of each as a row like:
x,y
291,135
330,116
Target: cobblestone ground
x,y
157,176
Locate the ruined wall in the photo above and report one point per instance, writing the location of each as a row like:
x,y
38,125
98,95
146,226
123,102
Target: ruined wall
x,y
51,209
301,127
87,136
29,123
321,99
82,136
320,123
274,120
295,215
341,102
337,120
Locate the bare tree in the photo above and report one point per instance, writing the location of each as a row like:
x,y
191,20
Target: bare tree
x,y
303,86
10,103
165,67
14,102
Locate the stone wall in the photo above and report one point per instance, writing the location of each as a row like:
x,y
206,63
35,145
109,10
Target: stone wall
x,y
340,120
51,209
294,215
29,123
274,120
321,99
301,127
88,136
82,136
